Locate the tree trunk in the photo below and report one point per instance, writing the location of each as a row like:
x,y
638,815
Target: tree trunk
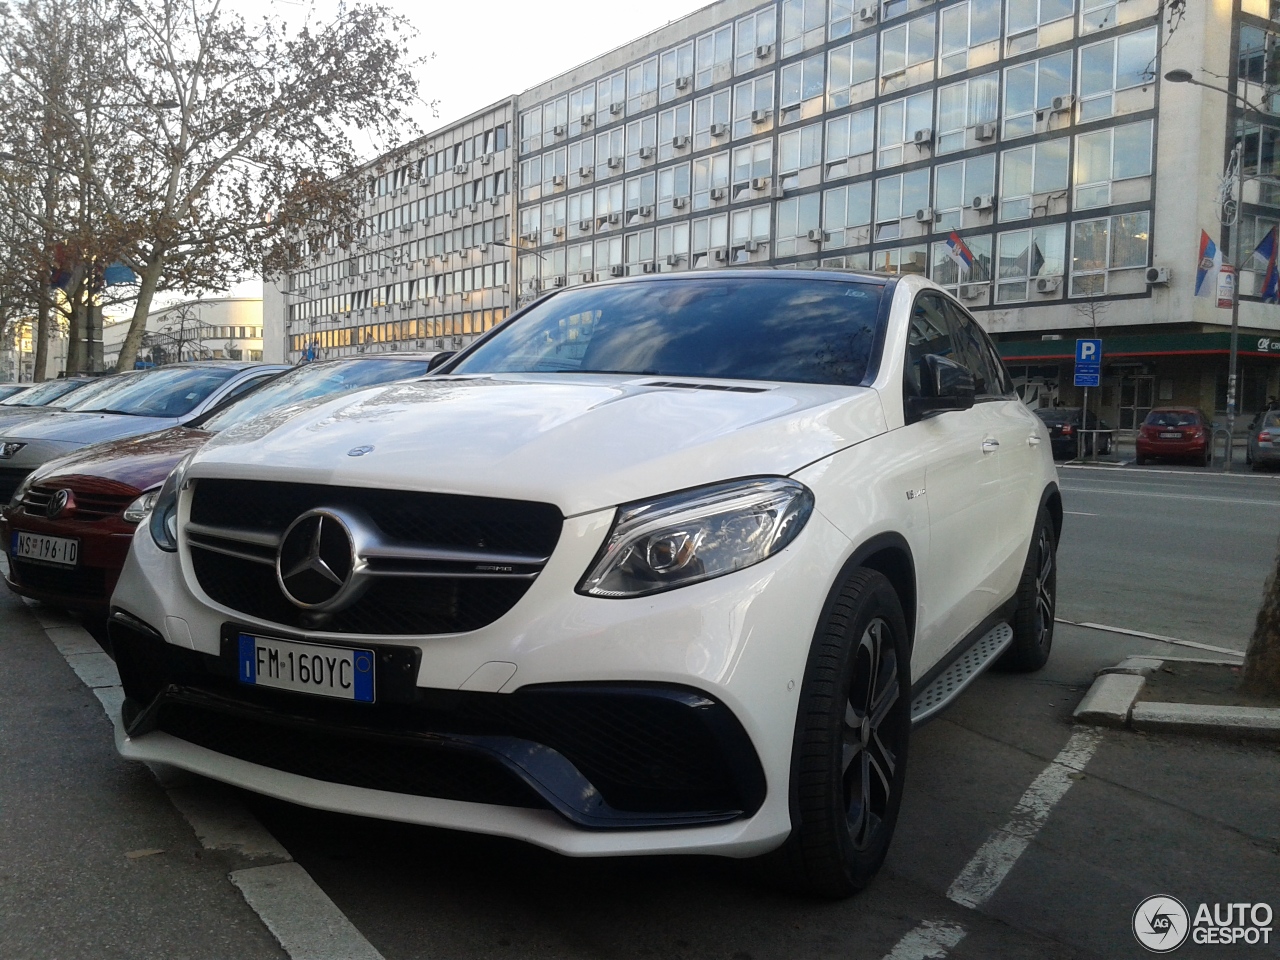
x,y
76,323
41,336
1262,661
149,279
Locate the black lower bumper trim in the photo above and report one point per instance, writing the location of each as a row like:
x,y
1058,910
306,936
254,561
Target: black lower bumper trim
x,y
603,756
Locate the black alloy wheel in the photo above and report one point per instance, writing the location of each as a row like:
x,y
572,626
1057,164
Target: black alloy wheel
x,y
849,757
1037,602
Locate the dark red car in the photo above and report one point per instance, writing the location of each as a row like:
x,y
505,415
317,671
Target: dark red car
x,y
1175,433
68,527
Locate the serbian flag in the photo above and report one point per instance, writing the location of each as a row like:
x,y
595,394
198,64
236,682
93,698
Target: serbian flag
x,y
1266,252
1207,267
960,253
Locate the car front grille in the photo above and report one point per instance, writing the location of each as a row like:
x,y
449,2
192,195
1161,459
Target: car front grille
x,y
91,504
235,524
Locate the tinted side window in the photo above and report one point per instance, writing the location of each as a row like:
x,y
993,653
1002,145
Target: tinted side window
x,y
971,350
930,332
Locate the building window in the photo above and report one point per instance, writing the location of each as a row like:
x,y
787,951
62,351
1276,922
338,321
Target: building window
x,y
802,89
945,270
803,24
675,72
579,262
1030,172
753,106
852,135
638,250
555,169
847,67
956,185
797,216
582,161
964,26
711,116
1030,87
608,253
611,98
913,259
1101,247
1097,15
530,135
714,57
710,180
906,45
756,35
582,105
581,211
610,153
900,122
641,195
675,130
846,215
840,18
555,122
642,86
674,189
897,198
530,180
671,245
969,103
1024,255
748,229
710,241
1024,18
752,168
1120,63
642,143
553,221
800,150
1108,156
608,205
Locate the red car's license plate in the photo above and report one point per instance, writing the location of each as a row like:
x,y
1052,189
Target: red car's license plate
x,y
1170,436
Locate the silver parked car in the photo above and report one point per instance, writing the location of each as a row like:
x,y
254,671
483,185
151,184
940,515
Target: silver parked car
x,y
1263,450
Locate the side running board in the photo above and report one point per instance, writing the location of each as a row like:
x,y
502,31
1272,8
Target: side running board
x,y
952,682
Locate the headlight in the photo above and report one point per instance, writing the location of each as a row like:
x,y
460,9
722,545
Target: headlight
x,y
21,492
164,510
137,511
696,535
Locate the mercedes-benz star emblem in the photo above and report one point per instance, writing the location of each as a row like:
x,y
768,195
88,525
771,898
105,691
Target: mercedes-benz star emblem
x,y
360,451
64,501
315,563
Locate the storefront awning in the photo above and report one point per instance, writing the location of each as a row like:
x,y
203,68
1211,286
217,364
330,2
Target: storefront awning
x,y
1150,345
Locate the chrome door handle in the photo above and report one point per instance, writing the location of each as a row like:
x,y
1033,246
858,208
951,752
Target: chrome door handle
x,y
1033,441
990,445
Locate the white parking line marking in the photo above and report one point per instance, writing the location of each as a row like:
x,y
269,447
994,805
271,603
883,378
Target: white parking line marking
x,y
1077,513
929,941
982,875
298,913
1196,644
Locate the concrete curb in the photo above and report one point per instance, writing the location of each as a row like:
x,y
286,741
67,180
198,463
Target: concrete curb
x,y
1110,702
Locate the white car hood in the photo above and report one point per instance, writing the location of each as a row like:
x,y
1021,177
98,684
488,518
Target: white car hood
x,y
581,442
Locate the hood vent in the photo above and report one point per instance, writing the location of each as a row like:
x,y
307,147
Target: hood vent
x,y
723,387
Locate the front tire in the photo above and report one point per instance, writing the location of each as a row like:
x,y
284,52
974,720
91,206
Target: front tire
x,y
1037,602
849,757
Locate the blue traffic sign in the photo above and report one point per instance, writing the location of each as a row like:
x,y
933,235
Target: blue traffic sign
x,y
1088,372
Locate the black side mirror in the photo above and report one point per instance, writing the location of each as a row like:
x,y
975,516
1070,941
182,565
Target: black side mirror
x,y
944,385
440,359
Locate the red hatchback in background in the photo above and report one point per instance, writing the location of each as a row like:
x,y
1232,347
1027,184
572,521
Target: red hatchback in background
x,y
75,517
1175,433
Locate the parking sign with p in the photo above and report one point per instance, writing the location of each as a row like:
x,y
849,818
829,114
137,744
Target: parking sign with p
x,y
1088,363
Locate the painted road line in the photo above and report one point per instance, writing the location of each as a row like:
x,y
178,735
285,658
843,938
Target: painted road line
x,y
929,941
1158,472
1194,644
1077,513
300,915
982,875
308,925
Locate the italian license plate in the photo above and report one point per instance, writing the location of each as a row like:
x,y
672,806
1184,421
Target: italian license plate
x,y
338,672
1170,436
59,550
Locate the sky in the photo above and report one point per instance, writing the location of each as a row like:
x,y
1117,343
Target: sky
x,y
483,50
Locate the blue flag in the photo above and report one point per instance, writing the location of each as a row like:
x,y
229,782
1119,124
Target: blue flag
x,y
1266,252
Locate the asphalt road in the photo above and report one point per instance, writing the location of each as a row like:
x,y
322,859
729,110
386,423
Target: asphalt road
x,y
1176,552
95,862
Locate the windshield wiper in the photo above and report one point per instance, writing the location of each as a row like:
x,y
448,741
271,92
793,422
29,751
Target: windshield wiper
x,y
126,413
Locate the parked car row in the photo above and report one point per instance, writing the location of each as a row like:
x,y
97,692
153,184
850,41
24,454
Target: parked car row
x,y
671,564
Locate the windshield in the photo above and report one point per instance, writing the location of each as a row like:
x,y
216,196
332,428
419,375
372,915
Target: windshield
x,y
44,393
1172,418
7,390
313,380
163,392
801,330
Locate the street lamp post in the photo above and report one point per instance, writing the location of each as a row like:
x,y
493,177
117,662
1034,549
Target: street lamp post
x,y
1237,153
